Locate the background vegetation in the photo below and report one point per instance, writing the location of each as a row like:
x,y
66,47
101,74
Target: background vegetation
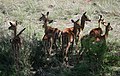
x,y
33,60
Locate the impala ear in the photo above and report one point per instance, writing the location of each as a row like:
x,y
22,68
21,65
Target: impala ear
x,y
78,20
72,21
16,22
42,14
47,13
100,16
11,23
84,13
50,21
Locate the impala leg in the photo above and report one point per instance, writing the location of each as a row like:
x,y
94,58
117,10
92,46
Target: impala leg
x,y
13,51
72,44
17,58
66,53
45,46
55,43
77,37
80,53
51,43
64,40
80,36
63,52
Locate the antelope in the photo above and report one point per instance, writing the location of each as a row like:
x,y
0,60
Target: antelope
x,y
84,18
96,32
51,34
16,44
105,36
79,27
86,40
72,30
68,38
16,37
70,34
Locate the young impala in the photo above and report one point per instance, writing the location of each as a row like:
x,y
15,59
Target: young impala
x,y
70,34
87,40
84,18
51,34
105,36
16,44
68,39
96,32
16,38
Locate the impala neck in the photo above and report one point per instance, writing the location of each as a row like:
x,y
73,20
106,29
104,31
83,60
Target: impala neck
x,y
45,25
106,32
98,25
15,32
75,29
82,23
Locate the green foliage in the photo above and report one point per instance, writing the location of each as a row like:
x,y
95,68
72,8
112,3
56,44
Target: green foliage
x,y
93,63
7,65
6,61
37,55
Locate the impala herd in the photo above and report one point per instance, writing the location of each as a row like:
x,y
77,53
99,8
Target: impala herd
x,y
67,37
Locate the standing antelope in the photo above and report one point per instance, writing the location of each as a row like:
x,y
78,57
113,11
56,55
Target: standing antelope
x,y
87,40
68,38
96,32
73,30
107,29
16,44
84,18
51,34
70,34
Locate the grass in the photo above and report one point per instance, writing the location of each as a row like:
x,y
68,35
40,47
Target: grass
x,y
27,13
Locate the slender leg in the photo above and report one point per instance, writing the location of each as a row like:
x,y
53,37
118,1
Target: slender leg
x,y
80,36
55,43
80,53
17,58
66,53
51,43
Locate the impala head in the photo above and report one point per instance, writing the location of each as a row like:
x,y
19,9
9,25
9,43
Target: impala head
x,y
76,23
45,18
84,17
101,20
13,26
108,27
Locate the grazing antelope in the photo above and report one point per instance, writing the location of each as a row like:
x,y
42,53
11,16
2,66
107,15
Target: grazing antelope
x,y
96,32
16,44
51,34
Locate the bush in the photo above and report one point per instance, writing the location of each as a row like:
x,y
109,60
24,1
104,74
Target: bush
x,y
93,58
6,61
